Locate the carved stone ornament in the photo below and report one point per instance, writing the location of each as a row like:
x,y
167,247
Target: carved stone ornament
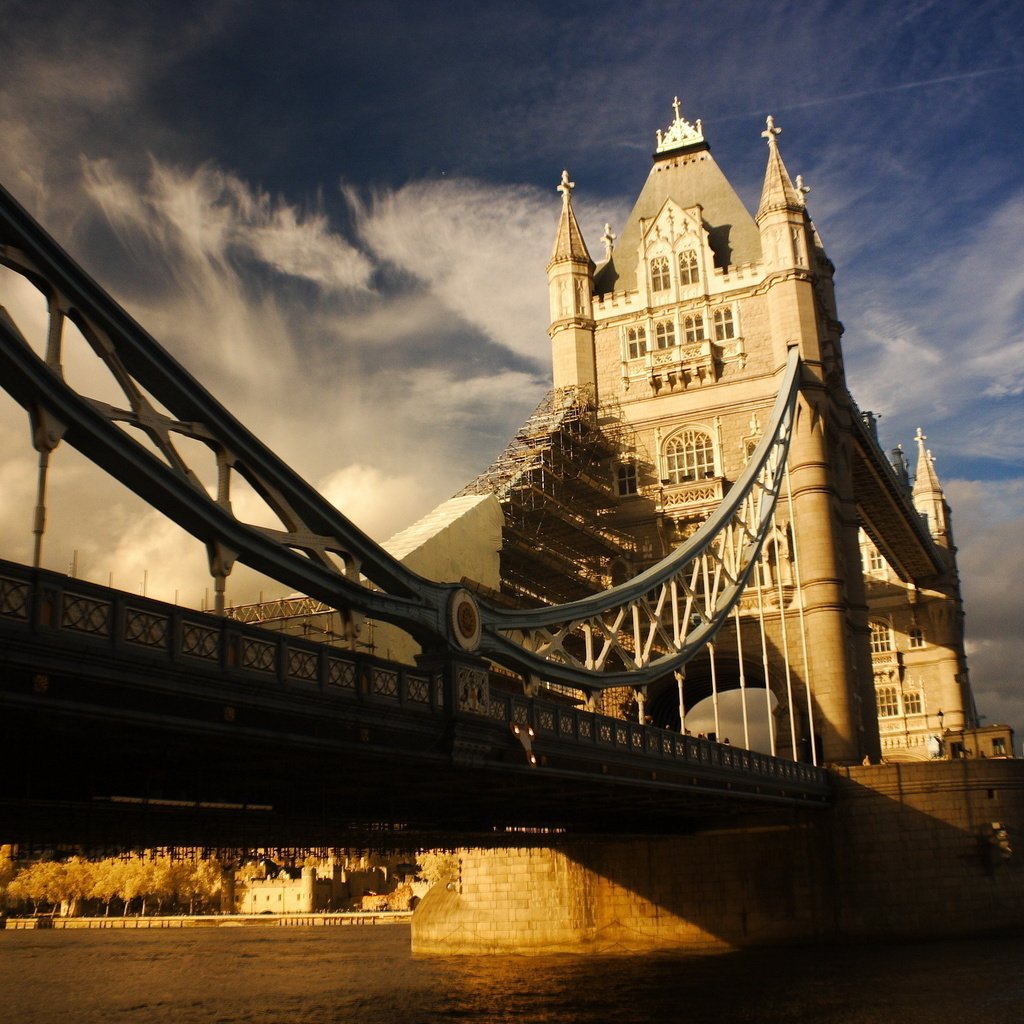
x,y
464,620
472,689
680,132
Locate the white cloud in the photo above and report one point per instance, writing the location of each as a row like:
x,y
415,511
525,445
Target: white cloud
x,y
481,250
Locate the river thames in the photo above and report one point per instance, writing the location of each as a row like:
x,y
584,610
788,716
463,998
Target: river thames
x,y
271,975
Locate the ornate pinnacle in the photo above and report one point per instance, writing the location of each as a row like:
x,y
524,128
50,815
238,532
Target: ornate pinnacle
x,y
565,186
771,130
680,132
609,240
801,189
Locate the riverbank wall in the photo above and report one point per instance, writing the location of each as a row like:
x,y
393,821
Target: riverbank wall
x,y
213,921
907,851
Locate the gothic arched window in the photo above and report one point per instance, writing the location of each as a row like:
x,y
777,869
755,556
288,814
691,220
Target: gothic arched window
x,y
659,274
881,637
888,701
665,333
724,326
689,455
688,272
693,328
636,342
912,703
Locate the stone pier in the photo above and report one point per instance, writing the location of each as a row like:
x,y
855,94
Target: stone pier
x,y
907,851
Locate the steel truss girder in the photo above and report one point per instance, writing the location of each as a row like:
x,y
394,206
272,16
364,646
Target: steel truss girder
x,y
623,633
651,626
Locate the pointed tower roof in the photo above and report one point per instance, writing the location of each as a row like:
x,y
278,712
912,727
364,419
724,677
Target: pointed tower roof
x,y
778,192
569,244
685,172
926,481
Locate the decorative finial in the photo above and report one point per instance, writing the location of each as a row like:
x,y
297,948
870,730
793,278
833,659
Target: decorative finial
x,y
680,132
801,189
770,130
609,239
920,436
565,186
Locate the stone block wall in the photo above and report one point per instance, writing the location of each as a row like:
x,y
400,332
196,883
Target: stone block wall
x,y
916,854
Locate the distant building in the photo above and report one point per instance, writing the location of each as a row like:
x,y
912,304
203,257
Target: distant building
x,y
273,889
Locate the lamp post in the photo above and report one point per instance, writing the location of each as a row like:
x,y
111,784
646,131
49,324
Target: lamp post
x,y
940,740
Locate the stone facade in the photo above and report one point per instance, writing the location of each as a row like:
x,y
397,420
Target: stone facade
x,y
681,332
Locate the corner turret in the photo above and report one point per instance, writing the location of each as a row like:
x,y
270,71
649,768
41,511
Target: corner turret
x,y
787,244
929,499
570,290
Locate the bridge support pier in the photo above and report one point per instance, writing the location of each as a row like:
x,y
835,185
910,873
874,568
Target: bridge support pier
x,y
635,895
908,851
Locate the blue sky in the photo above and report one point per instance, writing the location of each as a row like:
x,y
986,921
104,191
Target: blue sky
x,y
337,215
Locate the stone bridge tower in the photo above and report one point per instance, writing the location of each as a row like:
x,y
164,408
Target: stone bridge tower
x,y
684,328
667,359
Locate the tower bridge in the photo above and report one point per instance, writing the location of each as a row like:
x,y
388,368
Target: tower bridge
x,y
686,537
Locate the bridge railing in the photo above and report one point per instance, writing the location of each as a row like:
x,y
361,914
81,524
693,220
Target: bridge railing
x,y
137,636
559,725
147,633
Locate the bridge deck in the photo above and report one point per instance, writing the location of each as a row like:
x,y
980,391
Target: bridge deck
x,y
124,716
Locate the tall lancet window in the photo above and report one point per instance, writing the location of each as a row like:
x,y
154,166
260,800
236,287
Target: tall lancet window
x,y
636,342
688,272
665,333
689,455
659,274
881,637
693,328
725,328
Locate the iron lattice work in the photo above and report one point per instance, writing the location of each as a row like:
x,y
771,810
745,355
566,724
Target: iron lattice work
x,y
628,635
639,631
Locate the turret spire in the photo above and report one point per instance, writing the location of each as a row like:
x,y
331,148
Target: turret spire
x,y
571,294
569,244
928,496
778,192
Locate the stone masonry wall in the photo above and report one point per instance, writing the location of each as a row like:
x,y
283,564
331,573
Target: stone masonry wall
x,y
916,854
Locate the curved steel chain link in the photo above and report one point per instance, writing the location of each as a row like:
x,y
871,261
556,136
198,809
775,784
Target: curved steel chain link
x,y
628,635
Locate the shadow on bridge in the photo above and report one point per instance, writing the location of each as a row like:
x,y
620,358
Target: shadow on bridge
x,y
126,720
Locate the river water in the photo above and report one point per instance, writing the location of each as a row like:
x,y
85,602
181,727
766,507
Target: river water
x,y
271,975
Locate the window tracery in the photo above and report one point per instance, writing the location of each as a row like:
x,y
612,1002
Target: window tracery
x,y
689,455
693,328
725,327
636,342
626,479
888,701
688,270
659,274
665,334
881,637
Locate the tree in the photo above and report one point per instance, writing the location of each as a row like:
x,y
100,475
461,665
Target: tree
x,y
8,869
437,866
39,883
106,882
77,884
